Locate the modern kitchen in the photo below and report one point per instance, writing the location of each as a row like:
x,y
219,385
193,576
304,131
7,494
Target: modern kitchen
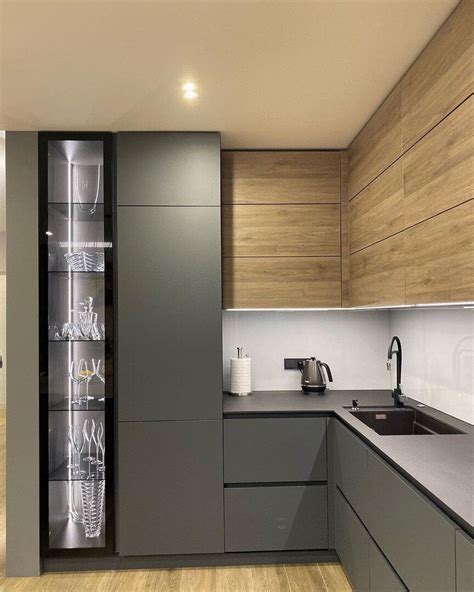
x,y
239,296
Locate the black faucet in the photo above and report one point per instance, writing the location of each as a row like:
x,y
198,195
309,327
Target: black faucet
x,y
397,392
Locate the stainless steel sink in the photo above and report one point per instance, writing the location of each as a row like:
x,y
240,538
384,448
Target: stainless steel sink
x,y
404,421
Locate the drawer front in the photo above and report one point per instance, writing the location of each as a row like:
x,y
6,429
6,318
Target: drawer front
x,y
352,543
276,518
273,449
464,562
415,536
382,576
350,468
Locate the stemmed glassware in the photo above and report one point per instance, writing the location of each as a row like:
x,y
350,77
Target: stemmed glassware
x,y
89,435
100,447
99,369
80,373
76,438
86,186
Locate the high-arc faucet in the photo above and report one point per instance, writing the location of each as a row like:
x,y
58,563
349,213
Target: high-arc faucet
x,y
397,391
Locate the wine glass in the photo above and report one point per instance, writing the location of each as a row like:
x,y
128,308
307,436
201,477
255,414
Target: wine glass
x,y
86,186
76,437
99,369
79,373
88,436
101,447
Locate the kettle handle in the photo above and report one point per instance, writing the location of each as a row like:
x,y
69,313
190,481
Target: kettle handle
x,y
328,370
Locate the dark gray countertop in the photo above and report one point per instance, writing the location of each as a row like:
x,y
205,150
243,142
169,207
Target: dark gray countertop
x,y
441,466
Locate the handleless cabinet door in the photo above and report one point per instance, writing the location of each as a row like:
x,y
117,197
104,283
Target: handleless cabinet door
x,y
464,562
382,576
170,498
169,313
168,169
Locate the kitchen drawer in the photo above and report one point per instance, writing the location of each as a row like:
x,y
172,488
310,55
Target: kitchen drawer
x,y
350,468
464,562
382,576
276,518
261,450
352,544
414,535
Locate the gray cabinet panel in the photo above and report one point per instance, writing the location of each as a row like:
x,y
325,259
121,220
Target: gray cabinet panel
x,y
276,518
414,535
170,488
382,576
168,168
274,449
169,314
352,543
350,468
464,562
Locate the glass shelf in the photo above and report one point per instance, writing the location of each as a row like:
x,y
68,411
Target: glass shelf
x,y
62,473
63,405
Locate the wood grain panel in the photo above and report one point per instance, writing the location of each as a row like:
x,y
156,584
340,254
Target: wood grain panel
x,y
440,78
378,144
378,274
440,257
344,230
282,282
438,171
265,177
377,212
295,230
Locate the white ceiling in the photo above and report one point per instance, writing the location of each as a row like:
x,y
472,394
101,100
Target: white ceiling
x,y
292,74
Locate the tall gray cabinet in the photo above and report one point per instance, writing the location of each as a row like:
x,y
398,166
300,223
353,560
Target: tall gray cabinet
x,y
169,469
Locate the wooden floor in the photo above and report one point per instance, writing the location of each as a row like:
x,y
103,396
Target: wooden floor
x,y
283,578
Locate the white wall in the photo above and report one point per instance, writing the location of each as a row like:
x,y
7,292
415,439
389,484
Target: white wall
x,y
438,358
353,343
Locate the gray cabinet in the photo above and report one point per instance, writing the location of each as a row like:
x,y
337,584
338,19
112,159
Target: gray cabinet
x,y
464,562
352,543
350,468
382,576
170,488
414,535
275,449
169,313
276,518
168,169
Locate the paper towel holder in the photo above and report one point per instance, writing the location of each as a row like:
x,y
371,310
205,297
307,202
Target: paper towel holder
x,y
240,356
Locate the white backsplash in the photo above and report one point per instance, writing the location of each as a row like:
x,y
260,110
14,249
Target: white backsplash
x,y
438,358
353,343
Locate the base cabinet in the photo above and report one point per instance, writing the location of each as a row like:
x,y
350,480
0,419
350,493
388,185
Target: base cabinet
x,y
170,488
276,518
352,543
382,577
464,562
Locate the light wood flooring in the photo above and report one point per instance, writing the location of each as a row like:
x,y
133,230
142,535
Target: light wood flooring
x,y
282,578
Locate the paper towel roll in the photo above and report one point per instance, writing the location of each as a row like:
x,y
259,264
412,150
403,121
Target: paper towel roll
x,y
240,376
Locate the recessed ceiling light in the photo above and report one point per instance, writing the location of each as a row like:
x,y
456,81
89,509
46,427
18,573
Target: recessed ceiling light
x,y
190,91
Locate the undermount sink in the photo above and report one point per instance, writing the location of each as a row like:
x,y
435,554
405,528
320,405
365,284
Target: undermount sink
x,y
403,421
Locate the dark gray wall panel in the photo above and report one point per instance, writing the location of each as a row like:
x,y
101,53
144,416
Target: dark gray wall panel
x,y
168,168
464,562
170,488
169,314
276,518
352,544
350,468
382,576
274,449
22,356
415,536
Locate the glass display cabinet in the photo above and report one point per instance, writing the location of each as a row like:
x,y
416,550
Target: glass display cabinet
x,y
76,340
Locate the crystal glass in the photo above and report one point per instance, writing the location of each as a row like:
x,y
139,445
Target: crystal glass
x,y
88,429
86,186
76,438
92,495
75,503
99,369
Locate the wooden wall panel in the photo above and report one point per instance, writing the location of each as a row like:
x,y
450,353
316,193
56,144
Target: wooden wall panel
x,y
281,282
378,145
438,171
441,77
440,257
378,274
295,230
377,212
266,177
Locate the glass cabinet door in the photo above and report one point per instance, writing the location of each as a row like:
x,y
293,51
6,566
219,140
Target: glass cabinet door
x,y
75,234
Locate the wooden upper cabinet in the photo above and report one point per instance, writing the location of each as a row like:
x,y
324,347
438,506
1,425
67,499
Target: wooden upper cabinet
x,y
377,274
295,230
378,144
441,78
439,256
277,177
281,282
377,212
438,171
